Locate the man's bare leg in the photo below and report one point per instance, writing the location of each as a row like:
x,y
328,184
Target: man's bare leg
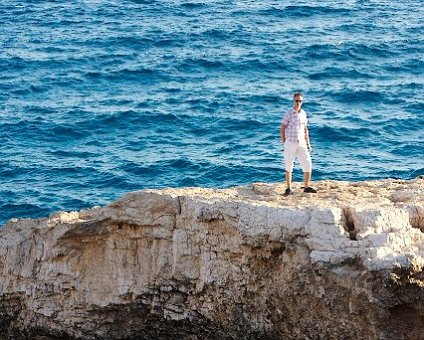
x,y
288,179
307,177
308,189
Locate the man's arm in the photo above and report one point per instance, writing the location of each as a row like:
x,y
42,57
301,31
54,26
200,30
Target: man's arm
x,y
307,139
283,132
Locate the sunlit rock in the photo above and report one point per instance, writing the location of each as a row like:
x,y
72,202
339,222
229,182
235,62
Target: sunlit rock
x,y
238,263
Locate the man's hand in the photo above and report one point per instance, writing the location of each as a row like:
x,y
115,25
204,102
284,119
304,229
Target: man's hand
x,y
283,133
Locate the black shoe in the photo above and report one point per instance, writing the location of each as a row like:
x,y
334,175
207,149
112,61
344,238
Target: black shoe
x,y
288,191
310,190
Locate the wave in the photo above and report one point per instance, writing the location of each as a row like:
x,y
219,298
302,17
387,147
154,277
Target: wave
x,y
402,174
342,134
193,5
410,66
23,210
335,72
357,96
193,64
301,11
362,51
409,149
332,52
142,75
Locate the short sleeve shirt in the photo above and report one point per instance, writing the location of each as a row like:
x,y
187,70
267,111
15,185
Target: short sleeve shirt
x,y
296,123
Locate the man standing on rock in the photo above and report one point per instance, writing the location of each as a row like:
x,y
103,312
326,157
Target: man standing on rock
x,y
295,136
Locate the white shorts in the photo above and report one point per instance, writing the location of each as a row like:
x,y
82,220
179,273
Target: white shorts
x,y
293,149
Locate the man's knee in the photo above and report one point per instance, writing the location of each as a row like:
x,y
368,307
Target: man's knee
x,y
289,168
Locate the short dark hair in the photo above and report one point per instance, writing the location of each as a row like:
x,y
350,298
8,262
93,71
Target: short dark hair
x,y
297,94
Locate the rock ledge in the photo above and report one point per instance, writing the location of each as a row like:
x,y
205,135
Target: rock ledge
x,y
238,263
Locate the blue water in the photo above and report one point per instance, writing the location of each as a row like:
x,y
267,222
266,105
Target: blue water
x,y
100,98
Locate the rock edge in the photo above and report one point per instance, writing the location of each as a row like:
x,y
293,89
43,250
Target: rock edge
x,y
237,263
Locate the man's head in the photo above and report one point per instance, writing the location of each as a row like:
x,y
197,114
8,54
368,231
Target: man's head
x,y
297,101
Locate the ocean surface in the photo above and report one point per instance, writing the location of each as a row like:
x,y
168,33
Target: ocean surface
x,y
98,98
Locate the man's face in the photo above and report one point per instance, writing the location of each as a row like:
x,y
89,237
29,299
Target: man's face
x,y
297,102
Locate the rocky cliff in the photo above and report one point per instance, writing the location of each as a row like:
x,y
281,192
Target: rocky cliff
x,y
238,263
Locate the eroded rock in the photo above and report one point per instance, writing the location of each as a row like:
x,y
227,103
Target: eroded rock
x,y
238,263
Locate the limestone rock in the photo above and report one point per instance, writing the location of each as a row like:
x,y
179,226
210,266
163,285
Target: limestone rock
x,y
237,263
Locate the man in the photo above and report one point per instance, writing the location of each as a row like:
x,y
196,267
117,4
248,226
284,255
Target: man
x,y
295,136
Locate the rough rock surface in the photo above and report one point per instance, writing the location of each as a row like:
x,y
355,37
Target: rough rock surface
x,y
238,263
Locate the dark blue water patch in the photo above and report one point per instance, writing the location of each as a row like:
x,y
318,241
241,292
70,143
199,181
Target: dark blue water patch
x,y
351,27
172,90
194,5
27,130
217,35
140,75
14,63
209,174
413,85
201,64
335,72
204,105
66,81
109,180
167,42
415,173
392,98
66,132
330,52
341,134
404,174
300,11
417,107
412,66
55,50
143,170
260,65
112,102
201,124
409,149
64,171
38,88
144,2
233,124
22,210
137,75
108,123
74,154
183,163
400,127
230,147
170,172
7,173
163,121
357,96
39,111
371,52
93,74
131,42
38,65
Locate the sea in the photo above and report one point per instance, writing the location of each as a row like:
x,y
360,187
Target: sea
x,y
99,98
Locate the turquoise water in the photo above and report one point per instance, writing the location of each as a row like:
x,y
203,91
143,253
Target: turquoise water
x,y
101,98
